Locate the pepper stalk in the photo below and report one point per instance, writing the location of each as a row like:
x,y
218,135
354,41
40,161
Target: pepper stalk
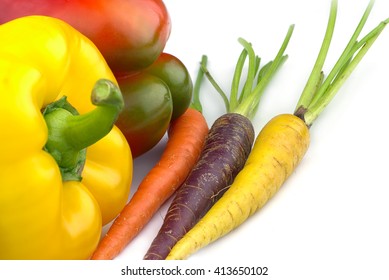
x,y
69,133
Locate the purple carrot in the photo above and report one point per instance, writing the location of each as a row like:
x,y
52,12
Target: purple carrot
x,y
225,152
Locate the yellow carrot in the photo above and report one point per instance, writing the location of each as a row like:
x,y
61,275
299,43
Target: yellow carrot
x,y
277,150
280,146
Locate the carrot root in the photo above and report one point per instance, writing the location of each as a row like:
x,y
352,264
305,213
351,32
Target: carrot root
x,y
186,138
278,149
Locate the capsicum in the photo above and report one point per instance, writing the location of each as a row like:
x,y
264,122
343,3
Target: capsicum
x,y
65,169
130,34
153,97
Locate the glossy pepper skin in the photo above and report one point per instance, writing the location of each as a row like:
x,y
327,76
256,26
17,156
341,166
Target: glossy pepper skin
x,y
42,216
174,73
147,111
130,34
153,98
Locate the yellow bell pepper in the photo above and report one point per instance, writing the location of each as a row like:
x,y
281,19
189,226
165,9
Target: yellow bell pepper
x,y
65,169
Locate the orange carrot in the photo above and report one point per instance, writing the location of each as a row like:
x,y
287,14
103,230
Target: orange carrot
x,y
186,137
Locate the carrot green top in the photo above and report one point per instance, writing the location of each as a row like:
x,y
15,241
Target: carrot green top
x,y
319,91
257,78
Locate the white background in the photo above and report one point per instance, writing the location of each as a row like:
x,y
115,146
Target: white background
x,y
330,219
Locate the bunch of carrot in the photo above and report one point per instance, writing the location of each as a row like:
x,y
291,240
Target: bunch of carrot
x,y
218,176
281,144
225,151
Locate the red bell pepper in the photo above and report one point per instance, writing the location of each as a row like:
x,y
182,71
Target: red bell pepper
x,y
131,34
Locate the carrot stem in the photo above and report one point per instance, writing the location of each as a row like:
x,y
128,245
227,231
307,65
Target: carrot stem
x,y
317,108
196,103
344,56
316,75
234,92
215,85
246,103
317,94
251,72
249,104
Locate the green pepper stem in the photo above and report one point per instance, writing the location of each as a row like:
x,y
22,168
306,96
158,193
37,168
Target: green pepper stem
x,y
85,130
69,133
